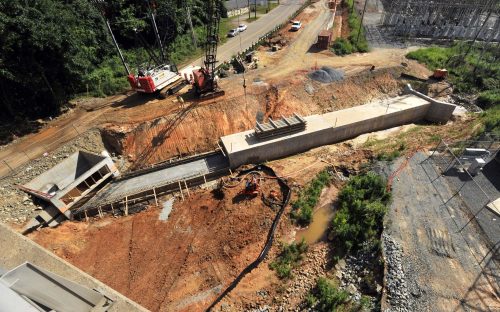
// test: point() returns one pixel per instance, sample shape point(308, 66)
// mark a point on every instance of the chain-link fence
point(472, 173)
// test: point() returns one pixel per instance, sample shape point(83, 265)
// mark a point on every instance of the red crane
point(205, 78)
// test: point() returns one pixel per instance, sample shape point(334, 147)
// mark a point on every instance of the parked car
point(296, 25)
point(233, 32)
point(242, 27)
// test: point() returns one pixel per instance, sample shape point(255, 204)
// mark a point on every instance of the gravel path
point(432, 263)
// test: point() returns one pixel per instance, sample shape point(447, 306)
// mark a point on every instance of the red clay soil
point(197, 127)
point(176, 265)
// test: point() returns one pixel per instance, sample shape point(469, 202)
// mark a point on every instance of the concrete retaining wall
point(244, 148)
point(439, 112)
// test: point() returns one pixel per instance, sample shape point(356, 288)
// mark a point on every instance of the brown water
point(318, 227)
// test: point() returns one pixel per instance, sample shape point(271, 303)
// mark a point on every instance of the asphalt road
point(255, 30)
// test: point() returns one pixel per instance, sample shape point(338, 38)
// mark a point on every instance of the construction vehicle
point(158, 75)
point(205, 79)
point(252, 187)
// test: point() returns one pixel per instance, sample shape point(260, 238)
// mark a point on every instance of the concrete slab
point(494, 206)
point(117, 191)
point(167, 209)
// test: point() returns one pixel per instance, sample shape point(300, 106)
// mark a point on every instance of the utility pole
point(480, 29)
point(361, 23)
point(249, 11)
point(255, 9)
point(190, 21)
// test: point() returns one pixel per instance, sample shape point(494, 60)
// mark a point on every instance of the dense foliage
point(356, 42)
point(52, 50)
point(303, 207)
point(362, 206)
point(478, 72)
point(289, 258)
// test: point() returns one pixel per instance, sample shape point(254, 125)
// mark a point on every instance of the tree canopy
point(52, 50)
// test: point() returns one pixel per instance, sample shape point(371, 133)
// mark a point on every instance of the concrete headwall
point(290, 145)
point(439, 112)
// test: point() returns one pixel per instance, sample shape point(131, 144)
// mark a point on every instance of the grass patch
point(288, 259)
point(490, 120)
point(252, 19)
point(391, 155)
point(478, 72)
point(264, 9)
point(362, 206)
point(303, 207)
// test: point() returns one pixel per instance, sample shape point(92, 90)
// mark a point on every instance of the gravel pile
point(397, 287)
point(326, 75)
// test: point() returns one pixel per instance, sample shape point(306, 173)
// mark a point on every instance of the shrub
point(303, 207)
point(342, 46)
point(326, 297)
point(289, 258)
point(489, 98)
point(362, 206)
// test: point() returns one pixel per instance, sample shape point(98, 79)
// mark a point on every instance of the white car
point(296, 25)
point(242, 27)
point(233, 32)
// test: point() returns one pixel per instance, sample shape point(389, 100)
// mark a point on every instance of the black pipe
point(286, 191)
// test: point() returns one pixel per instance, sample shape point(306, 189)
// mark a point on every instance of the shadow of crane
point(161, 136)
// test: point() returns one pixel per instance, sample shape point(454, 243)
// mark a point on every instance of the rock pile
point(327, 74)
point(356, 272)
point(396, 284)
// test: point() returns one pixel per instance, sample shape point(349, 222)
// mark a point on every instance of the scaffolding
point(444, 19)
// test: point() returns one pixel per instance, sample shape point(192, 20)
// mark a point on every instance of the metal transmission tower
point(443, 19)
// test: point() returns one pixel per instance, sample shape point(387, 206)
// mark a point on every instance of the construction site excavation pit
point(180, 264)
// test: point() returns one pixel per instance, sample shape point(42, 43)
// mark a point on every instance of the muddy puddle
point(317, 230)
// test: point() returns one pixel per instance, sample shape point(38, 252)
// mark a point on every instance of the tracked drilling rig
point(158, 75)
point(205, 79)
